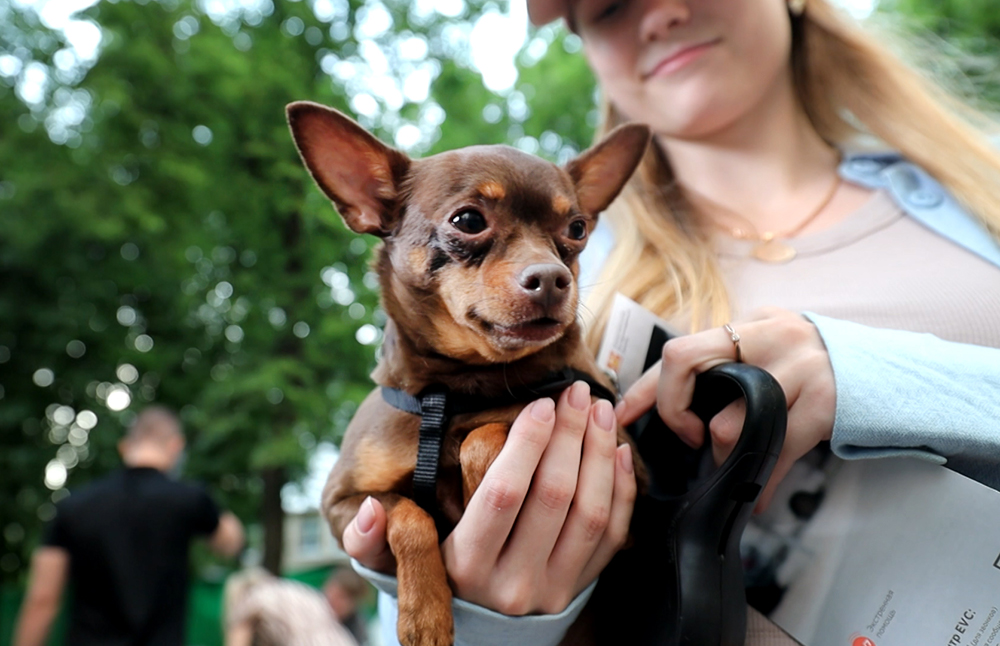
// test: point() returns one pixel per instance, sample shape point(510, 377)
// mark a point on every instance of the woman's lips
point(681, 58)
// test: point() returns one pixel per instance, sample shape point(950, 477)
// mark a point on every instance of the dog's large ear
point(601, 171)
point(355, 170)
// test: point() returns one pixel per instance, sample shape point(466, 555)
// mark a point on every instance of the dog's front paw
point(427, 620)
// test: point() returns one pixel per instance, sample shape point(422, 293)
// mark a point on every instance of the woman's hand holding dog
point(781, 342)
point(551, 512)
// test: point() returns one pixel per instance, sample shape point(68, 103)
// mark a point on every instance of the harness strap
point(433, 422)
point(436, 405)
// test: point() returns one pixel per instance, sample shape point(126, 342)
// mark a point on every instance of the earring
point(796, 7)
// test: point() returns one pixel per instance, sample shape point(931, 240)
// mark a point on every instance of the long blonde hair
point(850, 87)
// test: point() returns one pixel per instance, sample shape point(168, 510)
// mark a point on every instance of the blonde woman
point(867, 284)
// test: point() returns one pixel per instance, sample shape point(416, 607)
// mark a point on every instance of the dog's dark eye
point(577, 230)
point(469, 221)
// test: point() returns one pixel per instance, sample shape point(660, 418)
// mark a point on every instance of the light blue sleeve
point(909, 394)
point(478, 626)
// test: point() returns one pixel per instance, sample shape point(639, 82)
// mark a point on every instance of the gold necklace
point(770, 245)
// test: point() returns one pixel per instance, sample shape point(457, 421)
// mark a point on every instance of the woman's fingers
point(640, 397)
point(683, 359)
point(555, 483)
point(645, 393)
point(579, 505)
point(616, 534)
point(726, 428)
point(473, 547)
point(364, 537)
point(591, 512)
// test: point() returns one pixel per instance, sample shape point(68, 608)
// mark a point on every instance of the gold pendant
point(773, 251)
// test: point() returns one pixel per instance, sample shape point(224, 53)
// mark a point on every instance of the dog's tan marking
point(418, 258)
point(561, 204)
point(477, 453)
point(382, 465)
point(491, 190)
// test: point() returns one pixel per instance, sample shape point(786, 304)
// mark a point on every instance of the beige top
point(877, 267)
point(762, 632)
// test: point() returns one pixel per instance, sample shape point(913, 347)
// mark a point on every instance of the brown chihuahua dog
point(478, 272)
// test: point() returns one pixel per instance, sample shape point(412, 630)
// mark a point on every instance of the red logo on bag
point(862, 641)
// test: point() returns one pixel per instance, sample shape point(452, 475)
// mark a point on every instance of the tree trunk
point(274, 519)
point(276, 477)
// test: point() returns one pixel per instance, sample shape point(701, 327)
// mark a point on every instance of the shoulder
point(909, 184)
point(77, 510)
point(91, 493)
point(921, 197)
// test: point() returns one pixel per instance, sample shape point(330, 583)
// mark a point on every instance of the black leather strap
point(436, 405)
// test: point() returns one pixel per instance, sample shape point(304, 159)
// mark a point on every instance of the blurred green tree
point(968, 33)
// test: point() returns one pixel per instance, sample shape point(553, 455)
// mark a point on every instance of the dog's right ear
point(601, 171)
point(355, 170)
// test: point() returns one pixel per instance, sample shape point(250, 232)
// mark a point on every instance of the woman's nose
point(662, 16)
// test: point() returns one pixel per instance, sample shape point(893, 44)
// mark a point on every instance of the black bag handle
point(688, 528)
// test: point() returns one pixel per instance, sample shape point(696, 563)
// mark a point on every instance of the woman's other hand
point(784, 344)
point(550, 513)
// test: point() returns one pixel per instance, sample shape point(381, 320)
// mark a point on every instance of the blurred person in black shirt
point(122, 543)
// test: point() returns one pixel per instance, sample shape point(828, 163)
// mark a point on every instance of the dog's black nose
point(546, 284)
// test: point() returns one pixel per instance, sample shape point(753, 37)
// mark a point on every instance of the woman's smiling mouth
point(680, 57)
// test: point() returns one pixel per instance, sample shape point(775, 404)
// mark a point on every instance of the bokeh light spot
point(55, 475)
point(63, 415)
point(76, 348)
point(43, 377)
point(234, 333)
point(143, 343)
point(126, 315)
point(367, 334)
point(130, 251)
point(202, 134)
point(119, 398)
point(86, 419)
point(127, 373)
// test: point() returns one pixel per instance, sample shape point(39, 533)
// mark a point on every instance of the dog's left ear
point(359, 173)
point(600, 172)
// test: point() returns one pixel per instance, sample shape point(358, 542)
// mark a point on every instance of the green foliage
point(970, 39)
point(179, 217)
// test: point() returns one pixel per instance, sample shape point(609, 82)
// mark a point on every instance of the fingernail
point(543, 410)
point(365, 519)
point(604, 415)
point(620, 408)
point(627, 459)
point(579, 395)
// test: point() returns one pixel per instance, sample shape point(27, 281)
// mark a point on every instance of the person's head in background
point(797, 79)
point(154, 439)
point(239, 585)
point(345, 590)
